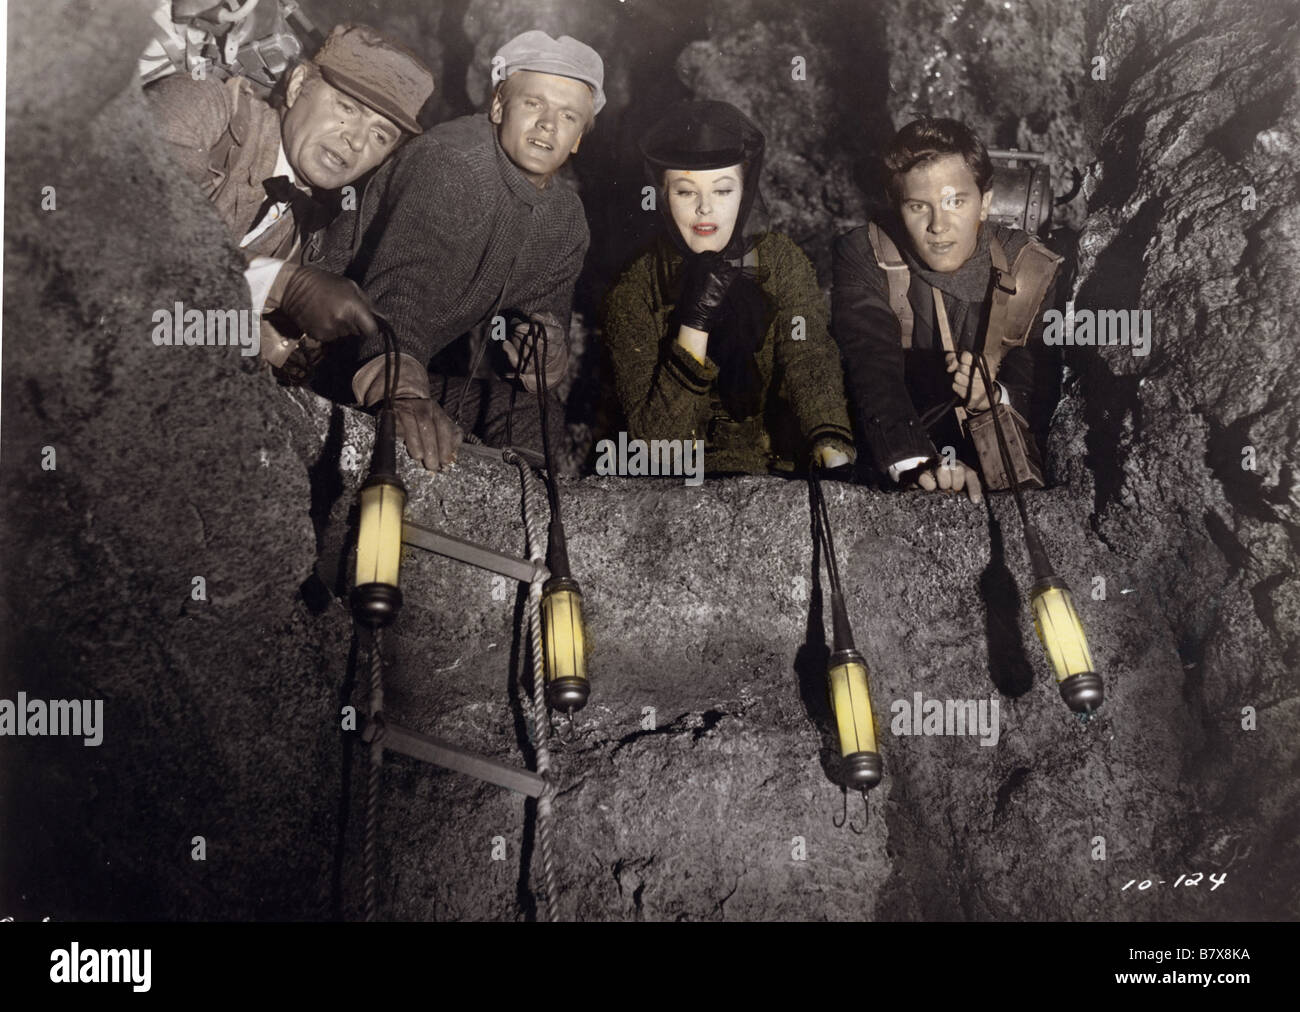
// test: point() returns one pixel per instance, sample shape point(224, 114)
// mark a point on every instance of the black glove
point(704, 287)
point(326, 306)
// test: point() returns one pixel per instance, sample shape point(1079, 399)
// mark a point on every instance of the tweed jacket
point(195, 118)
point(666, 393)
point(450, 233)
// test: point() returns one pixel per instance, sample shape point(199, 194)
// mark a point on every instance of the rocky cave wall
point(703, 605)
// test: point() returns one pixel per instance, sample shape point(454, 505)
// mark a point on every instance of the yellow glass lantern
point(565, 643)
point(851, 701)
point(1061, 633)
point(376, 596)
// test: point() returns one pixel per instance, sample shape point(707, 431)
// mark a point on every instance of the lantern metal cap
point(1049, 582)
point(1083, 692)
point(376, 604)
point(559, 583)
point(568, 695)
point(847, 655)
point(862, 770)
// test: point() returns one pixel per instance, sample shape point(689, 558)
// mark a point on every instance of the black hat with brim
point(699, 135)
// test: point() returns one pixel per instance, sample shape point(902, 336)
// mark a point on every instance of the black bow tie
point(309, 214)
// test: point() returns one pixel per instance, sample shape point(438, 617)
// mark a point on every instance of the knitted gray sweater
point(451, 233)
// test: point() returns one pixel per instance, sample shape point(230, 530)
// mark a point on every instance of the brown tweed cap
point(387, 77)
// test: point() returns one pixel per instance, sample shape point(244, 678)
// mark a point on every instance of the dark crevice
point(1009, 667)
point(1123, 142)
point(1226, 457)
point(1236, 136)
point(1254, 261)
point(333, 541)
point(677, 726)
point(1111, 401)
point(639, 866)
point(1262, 596)
point(1009, 787)
point(711, 719)
point(37, 398)
point(1191, 651)
point(1236, 554)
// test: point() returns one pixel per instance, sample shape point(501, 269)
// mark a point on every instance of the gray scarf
point(966, 288)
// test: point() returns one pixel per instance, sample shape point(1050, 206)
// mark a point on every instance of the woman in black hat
point(719, 333)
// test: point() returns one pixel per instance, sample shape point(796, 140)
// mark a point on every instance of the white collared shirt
point(261, 271)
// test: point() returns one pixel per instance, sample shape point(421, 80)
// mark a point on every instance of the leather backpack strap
point(899, 276)
point(1004, 288)
point(945, 337)
point(1035, 269)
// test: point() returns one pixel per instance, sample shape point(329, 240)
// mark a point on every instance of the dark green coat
point(665, 393)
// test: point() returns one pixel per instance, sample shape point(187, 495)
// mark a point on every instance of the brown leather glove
point(431, 437)
point(325, 306)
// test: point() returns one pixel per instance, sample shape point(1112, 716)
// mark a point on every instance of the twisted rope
point(375, 729)
point(541, 725)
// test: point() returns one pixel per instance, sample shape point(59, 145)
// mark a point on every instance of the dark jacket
point(207, 121)
point(450, 233)
point(666, 393)
point(903, 399)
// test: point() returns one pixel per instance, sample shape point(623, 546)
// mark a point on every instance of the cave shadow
point(811, 659)
point(1110, 399)
point(327, 581)
point(855, 36)
point(514, 682)
point(452, 97)
point(351, 741)
point(329, 577)
point(1009, 667)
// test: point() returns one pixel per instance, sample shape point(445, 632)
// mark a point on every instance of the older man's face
point(540, 120)
point(329, 137)
point(942, 208)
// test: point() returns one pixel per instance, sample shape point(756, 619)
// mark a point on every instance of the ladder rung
point(466, 551)
point(440, 753)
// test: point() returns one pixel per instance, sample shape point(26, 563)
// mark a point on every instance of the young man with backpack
point(275, 176)
point(918, 293)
